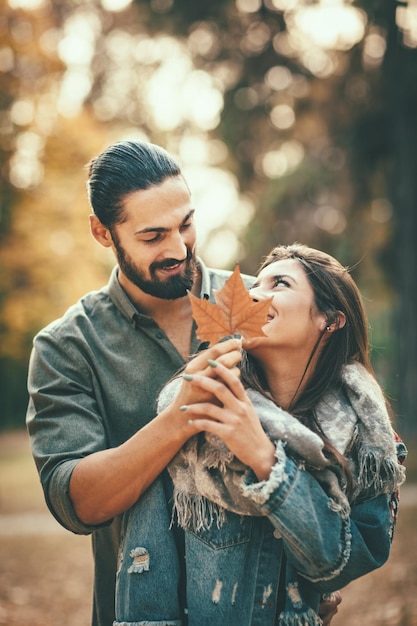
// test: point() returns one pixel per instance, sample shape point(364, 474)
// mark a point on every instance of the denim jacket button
point(277, 534)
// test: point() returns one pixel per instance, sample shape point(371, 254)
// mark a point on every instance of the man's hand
point(328, 606)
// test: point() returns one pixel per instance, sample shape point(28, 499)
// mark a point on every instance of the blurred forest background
point(294, 120)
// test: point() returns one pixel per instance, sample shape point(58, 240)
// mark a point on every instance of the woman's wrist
point(265, 462)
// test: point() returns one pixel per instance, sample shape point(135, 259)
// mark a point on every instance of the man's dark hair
point(123, 168)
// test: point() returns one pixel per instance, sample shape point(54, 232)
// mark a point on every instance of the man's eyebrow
point(188, 216)
point(163, 229)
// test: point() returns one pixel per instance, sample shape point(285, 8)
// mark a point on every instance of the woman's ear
point(336, 321)
point(100, 232)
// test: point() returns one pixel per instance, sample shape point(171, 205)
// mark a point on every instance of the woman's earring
point(328, 328)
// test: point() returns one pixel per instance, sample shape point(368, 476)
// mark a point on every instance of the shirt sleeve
point(324, 544)
point(63, 420)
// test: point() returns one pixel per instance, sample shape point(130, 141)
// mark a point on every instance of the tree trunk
point(401, 89)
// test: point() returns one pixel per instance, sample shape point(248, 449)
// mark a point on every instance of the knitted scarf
point(208, 478)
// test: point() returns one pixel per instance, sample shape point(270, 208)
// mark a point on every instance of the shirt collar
point(120, 297)
point(205, 279)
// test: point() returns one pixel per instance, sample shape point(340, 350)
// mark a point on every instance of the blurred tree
point(43, 207)
point(322, 136)
point(399, 91)
point(309, 105)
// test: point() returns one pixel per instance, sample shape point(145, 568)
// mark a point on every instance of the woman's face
point(293, 322)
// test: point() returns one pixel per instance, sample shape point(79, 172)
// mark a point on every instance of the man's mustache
point(167, 263)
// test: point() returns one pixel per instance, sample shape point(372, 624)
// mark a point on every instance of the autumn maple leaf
point(234, 313)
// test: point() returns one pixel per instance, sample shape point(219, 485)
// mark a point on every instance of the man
point(95, 374)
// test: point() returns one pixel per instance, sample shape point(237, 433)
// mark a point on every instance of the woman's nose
point(256, 293)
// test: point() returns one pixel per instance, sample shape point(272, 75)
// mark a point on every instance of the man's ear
point(100, 232)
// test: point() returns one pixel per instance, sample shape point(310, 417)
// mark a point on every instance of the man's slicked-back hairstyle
point(123, 168)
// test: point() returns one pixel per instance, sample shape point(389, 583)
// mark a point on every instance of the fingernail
point(188, 377)
point(184, 407)
point(212, 363)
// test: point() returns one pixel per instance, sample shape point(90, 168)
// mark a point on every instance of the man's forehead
point(161, 206)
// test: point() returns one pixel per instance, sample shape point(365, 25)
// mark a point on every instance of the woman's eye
point(279, 280)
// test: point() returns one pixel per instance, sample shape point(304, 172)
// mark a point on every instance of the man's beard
point(170, 288)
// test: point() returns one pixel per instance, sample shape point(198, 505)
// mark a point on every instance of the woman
point(285, 493)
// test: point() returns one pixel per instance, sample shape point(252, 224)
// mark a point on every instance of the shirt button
point(159, 335)
point(277, 534)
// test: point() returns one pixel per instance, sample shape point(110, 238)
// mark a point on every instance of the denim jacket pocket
point(236, 530)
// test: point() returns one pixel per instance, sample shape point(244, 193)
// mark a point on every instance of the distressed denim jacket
point(252, 571)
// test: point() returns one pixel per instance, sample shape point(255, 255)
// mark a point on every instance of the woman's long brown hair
point(334, 291)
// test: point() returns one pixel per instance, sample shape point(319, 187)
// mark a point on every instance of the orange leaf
point(235, 312)
point(211, 323)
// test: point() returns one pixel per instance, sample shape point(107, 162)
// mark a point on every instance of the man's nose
point(177, 248)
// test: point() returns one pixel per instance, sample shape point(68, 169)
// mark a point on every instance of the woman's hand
point(231, 416)
point(228, 353)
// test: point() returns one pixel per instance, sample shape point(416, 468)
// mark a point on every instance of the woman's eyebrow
point(274, 277)
point(277, 276)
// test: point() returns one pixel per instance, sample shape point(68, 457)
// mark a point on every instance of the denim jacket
point(264, 571)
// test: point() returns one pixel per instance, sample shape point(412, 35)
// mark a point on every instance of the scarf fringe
point(381, 475)
point(216, 454)
point(196, 513)
point(170, 622)
point(307, 618)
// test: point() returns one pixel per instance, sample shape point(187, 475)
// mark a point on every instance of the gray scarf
point(209, 480)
